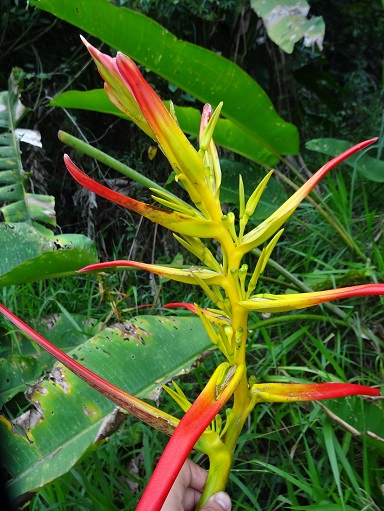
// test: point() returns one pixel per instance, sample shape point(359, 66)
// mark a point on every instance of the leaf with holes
point(286, 23)
point(68, 418)
point(22, 364)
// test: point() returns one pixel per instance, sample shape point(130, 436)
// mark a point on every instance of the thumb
point(218, 502)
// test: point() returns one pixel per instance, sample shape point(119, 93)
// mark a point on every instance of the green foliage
point(361, 420)
point(29, 251)
point(26, 255)
point(36, 448)
point(17, 204)
point(204, 74)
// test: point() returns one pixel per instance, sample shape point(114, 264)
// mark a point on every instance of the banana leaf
point(68, 419)
point(16, 204)
point(205, 75)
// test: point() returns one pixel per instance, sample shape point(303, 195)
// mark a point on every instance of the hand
point(187, 489)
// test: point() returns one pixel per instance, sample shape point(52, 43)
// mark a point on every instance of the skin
point(187, 489)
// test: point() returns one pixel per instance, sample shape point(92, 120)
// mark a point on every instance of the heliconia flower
point(173, 220)
point(288, 392)
point(131, 93)
point(294, 301)
point(268, 227)
point(186, 275)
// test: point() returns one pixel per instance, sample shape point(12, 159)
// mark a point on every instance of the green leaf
point(330, 444)
point(69, 418)
point(300, 483)
point(370, 168)
point(286, 23)
point(21, 365)
point(26, 255)
point(227, 134)
point(325, 506)
point(18, 205)
point(202, 73)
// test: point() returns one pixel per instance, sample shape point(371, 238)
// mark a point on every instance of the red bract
point(288, 392)
point(173, 220)
point(289, 302)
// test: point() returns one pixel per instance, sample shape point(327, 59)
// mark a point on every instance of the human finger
point(218, 502)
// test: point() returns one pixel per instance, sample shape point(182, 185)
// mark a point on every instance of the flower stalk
point(226, 279)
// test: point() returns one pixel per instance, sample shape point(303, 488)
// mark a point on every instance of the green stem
point(239, 412)
point(220, 461)
point(100, 156)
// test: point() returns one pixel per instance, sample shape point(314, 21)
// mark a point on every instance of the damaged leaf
point(286, 23)
point(22, 364)
point(69, 418)
point(27, 254)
